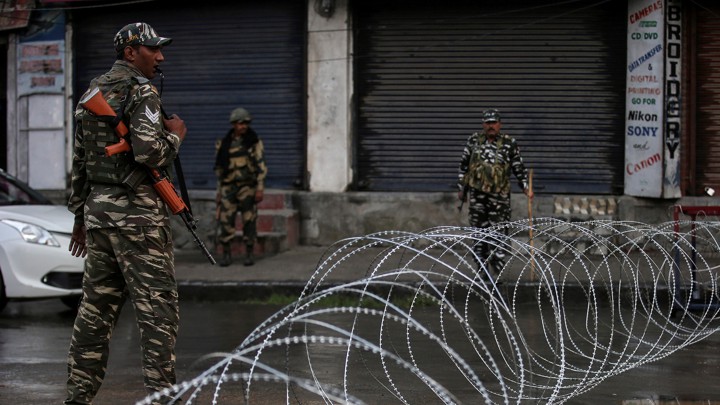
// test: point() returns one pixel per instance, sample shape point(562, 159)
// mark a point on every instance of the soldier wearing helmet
point(484, 175)
point(124, 227)
point(241, 170)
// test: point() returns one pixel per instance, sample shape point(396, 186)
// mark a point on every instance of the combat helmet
point(240, 114)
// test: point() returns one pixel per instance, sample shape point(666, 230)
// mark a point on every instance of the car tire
point(72, 301)
point(3, 296)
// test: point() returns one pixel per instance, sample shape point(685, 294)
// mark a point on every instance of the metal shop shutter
point(707, 43)
point(224, 55)
point(425, 70)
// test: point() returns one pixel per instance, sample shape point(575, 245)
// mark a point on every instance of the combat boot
point(249, 258)
point(226, 259)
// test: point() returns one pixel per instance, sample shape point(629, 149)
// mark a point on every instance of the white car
point(34, 237)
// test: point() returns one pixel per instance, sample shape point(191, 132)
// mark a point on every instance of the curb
point(516, 293)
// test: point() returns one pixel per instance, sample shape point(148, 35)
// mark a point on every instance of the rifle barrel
point(190, 224)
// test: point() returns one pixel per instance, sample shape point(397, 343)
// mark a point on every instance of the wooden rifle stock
point(177, 206)
point(167, 192)
point(96, 104)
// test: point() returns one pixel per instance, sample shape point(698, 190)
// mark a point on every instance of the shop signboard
point(644, 128)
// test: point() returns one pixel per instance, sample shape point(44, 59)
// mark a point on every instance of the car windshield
point(15, 192)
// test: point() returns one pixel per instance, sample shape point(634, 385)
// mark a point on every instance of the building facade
point(364, 106)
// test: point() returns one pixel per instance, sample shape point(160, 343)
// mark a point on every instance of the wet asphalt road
point(34, 337)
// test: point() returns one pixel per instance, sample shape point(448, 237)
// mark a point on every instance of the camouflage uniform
point(241, 170)
point(485, 168)
point(130, 250)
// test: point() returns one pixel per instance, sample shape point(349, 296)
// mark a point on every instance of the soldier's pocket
point(165, 305)
point(158, 238)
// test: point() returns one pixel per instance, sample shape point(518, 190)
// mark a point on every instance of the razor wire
point(575, 304)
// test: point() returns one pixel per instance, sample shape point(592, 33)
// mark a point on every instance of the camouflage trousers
point(236, 199)
point(486, 210)
point(121, 262)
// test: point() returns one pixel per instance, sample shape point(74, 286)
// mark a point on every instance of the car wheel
point(72, 301)
point(3, 296)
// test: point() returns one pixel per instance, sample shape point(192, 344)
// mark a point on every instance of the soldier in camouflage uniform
point(121, 223)
point(241, 170)
point(484, 175)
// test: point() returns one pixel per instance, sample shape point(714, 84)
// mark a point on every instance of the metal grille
point(224, 55)
point(425, 71)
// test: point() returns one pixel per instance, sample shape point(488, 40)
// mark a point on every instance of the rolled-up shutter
point(224, 55)
point(426, 70)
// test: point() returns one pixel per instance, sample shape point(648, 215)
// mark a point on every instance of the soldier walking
point(241, 170)
point(484, 177)
point(121, 223)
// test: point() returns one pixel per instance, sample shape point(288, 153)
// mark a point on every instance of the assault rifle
point(464, 196)
point(96, 103)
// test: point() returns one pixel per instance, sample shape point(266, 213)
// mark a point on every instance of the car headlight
point(33, 233)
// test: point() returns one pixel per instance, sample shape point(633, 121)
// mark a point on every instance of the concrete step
point(278, 226)
point(274, 220)
point(275, 199)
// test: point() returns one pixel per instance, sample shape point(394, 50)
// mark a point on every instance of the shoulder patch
point(145, 84)
point(146, 88)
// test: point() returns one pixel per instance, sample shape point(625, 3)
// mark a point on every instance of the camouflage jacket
point(106, 205)
point(240, 164)
point(486, 166)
